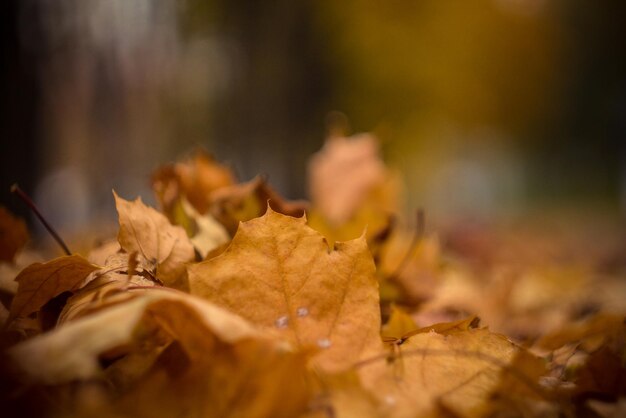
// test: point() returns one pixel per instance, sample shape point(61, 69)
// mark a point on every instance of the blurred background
point(490, 108)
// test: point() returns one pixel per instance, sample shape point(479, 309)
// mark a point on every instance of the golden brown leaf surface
point(40, 282)
point(281, 274)
point(457, 369)
point(252, 379)
point(148, 232)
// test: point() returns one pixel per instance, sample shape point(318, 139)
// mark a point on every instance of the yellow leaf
point(40, 282)
point(399, 324)
point(281, 274)
point(148, 232)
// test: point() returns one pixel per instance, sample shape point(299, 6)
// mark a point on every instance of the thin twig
point(15, 189)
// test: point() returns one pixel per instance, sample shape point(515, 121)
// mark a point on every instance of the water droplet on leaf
point(324, 343)
point(282, 322)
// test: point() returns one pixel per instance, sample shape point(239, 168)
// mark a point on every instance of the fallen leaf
point(13, 234)
point(76, 346)
point(148, 232)
point(252, 378)
point(194, 179)
point(209, 234)
point(39, 283)
point(457, 372)
point(343, 173)
point(281, 274)
point(341, 395)
point(400, 323)
point(8, 271)
point(245, 201)
point(415, 268)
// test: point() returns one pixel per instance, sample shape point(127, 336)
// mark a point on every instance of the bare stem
point(15, 189)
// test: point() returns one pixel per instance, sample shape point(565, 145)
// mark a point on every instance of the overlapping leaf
point(40, 282)
point(150, 234)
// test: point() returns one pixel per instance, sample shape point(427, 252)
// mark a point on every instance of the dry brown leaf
point(457, 372)
point(208, 234)
point(367, 220)
point(589, 334)
point(13, 234)
point(40, 282)
point(251, 379)
point(148, 232)
point(8, 271)
point(245, 201)
point(280, 274)
point(105, 290)
point(417, 270)
point(400, 323)
point(342, 175)
point(341, 395)
point(72, 351)
point(193, 179)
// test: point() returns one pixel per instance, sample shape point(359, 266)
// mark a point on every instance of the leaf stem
point(15, 189)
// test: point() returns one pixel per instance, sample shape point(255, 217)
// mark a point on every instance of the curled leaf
point(72, 351)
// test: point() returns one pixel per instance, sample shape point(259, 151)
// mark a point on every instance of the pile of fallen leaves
point(231, 301)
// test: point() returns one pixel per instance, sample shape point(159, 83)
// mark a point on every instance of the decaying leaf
point(280, 274)
point(40, 282)
point(13, 234)
point(148, 232)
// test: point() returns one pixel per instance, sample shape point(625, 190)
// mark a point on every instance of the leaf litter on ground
point(232, 301)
